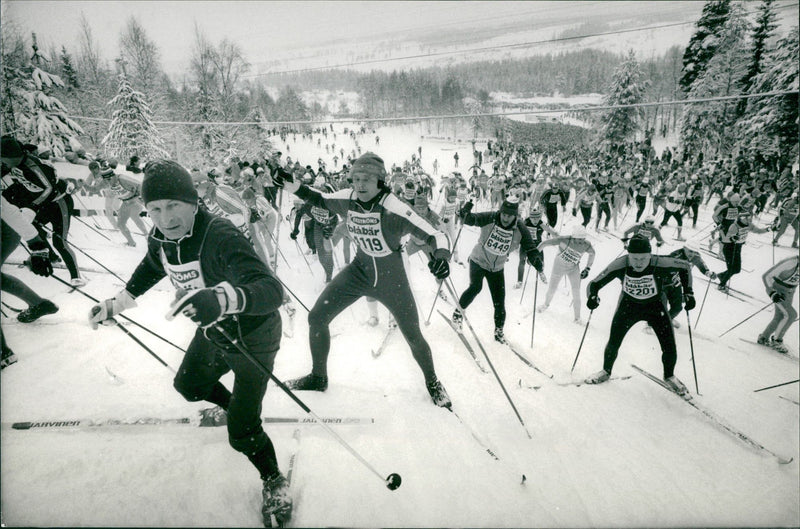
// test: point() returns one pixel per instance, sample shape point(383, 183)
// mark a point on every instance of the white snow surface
point(625, 454)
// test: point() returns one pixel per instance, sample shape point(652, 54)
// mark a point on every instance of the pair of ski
point(178, 421)
point(787, 354)
point(714, 419)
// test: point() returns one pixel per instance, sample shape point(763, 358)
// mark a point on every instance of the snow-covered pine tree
point(628, 86)
point(68, 70)
point(31, 112)
point(704, 42)
point(132, 130)
point(762, 32)
point(708, 127)
point(769, 128)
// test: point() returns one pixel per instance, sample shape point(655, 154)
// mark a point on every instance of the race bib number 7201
point(640, 287)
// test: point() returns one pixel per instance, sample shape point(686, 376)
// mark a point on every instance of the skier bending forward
point(377, 220)
point(644, 278)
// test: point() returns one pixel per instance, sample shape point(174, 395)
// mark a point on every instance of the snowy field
point(623, 454)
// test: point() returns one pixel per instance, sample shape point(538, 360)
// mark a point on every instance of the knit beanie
point(369, 164)
point(510, 205)
point(639, 245)
point(167, 180)
point(10, 148)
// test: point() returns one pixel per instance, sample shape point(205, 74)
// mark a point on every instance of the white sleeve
point(19, 220)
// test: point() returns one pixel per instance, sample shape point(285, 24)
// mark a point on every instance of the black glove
point(585, 272)
point(281, 177)
point(658, 244)
point(293, 235)
point(593, 302)
point(327, 231)
point(439, 267)
point(208, 305)
point(466, 208)
point(776, 296)
point(254, 216)
point(574, 212)
point(40, 257)
point(689, 302)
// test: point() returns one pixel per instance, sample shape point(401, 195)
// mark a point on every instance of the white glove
point(106, 310)
point(207, 306)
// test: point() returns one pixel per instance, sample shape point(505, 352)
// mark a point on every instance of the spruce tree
point(31, 112)
point(763, 31)
point(704, 42)
point(68, 70)
point(132, 130)
point(628, 86)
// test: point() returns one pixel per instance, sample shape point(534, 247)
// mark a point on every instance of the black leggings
point(57, 215)
point(586, 211)
point(628, 313)
point(551, 211)
point(733, 258)
point(603, 207)
point(497, 288)
point(641, 202)
point(677, 214)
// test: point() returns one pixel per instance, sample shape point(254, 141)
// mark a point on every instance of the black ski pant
point(497, 288)
point(733, 258)
point(653, 312)
point(677, 214)
point(694, 206)
point(675, 300)
point(538, 263)
point(641, 203)
point(586, 211)
point(602, 207)
point(551, 211)
point(381, 278)
point(206, 362)
point(56, 214)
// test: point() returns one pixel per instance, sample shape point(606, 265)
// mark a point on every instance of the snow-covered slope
point(626, 453)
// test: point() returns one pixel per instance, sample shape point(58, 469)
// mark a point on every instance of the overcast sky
point(265, 29)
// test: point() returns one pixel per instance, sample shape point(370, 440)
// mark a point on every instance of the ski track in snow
point(625, 453)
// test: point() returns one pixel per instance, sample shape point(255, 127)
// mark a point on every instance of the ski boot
point(215, 416)
point(676, 385)
point(372, 321)
point(777, 344)
point(763, 340)
point(77, 282)
point(518, 285)
point(8, 358)
point(34, 312)
point(598, 378)
point(438, 394)
point(498, 335)
point(457, 318)
point(310, 382)
point(276, 506)
point(542, 307)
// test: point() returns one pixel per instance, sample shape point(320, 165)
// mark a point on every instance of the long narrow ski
point(716, 420)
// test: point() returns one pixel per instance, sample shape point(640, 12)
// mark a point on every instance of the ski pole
point(525, 284)
point(777, 385)
point(300, 251)
point(120, 315)
point(588, 321)
point(485, 355)
point(120, 327)
point(744, 320)
point(703, 304)
point(392, 481)
point(535, 293)
point(438, 290)
point(101, 265)
point(691, 347)
point(93, 229)
point(278, 232)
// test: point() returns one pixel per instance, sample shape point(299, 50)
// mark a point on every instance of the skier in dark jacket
point(221, 284)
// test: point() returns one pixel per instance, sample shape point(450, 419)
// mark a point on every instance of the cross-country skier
point(644, 277)
point(674, 292)
point(501, 232)
point(220, 281)
point(536, 228)
point(377, 220)
point(31, 183)
point(733, 239)
point(781, 283)
point(567, 262)
point(324, 223)
point(646, 229)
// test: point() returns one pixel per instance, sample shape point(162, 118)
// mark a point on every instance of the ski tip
point(22, 425)
point(524, 479)
point(785, 461)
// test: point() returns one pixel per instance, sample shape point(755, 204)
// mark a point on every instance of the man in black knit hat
point(220, 282)
point(644, 279)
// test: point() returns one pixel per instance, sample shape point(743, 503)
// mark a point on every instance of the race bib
point(553, 199)
point(186, 276)
point(321, 215)
point(570, 255)
point(795, 278)
point(449, 210)
point(365, 229)
point(640, 287)
point(644, 233)
point(731, 214)
point(499, 241)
